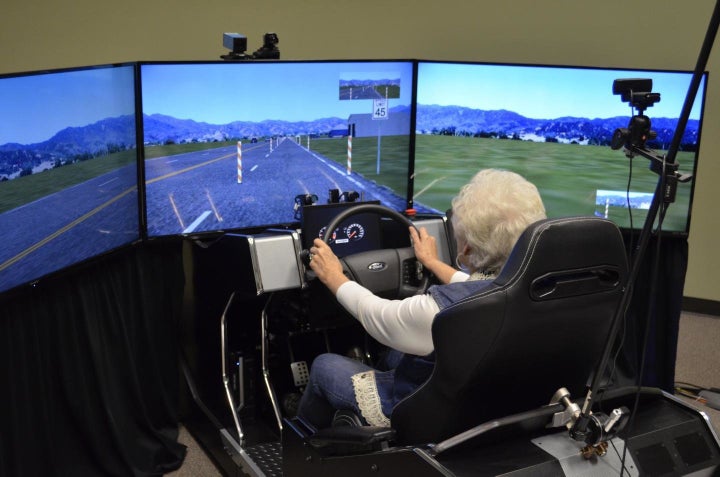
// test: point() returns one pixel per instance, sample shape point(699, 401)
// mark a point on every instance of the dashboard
point(270, 261)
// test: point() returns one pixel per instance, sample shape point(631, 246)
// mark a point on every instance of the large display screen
point(68, 169)
point(229, 145)
point(235, 145)
point(554, 126)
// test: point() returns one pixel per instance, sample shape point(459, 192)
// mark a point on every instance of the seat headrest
point(562, 244)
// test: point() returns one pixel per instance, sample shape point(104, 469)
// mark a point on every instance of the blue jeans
point(330, 389)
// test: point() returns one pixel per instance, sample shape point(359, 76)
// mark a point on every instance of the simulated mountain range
point(110, 135)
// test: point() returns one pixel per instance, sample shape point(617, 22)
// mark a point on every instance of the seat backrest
point(539, 326)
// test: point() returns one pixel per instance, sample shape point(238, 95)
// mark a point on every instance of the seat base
point(668, 437)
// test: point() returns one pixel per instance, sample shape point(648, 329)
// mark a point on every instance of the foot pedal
point(300, 373)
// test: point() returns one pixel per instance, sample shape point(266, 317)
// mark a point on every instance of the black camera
point(269, 50)
point(637, 93)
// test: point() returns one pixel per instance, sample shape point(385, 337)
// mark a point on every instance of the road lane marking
point(196, 166)
point(196, 222)
point(111, 180)
point(64, 229)
point(175, 173)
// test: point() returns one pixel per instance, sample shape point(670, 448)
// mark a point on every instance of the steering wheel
point(390, 273)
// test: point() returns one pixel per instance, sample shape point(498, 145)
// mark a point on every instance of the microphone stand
point(585, 426)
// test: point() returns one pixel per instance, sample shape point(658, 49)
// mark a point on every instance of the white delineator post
point(607, 207)
point(239, 161)
point(349, 163)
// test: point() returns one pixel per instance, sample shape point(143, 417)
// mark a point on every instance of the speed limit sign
point(380, 109)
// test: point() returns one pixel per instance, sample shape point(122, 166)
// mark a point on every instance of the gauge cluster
point(353, 232)
point(359, 233)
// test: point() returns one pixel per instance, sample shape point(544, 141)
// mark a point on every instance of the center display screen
point(228, 145)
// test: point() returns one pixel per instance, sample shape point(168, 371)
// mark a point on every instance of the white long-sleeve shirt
point(404, 325)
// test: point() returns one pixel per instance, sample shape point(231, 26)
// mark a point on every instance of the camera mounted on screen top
point(637, 93)
point(237, 44)
point(633, 138)
point(269, 50)
point(335, 196)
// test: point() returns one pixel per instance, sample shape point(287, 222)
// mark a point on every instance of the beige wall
point(37, 34)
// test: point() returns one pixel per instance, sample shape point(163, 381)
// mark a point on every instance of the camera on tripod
point(637, 93)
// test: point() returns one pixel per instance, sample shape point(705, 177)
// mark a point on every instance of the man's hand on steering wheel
point(326, 265)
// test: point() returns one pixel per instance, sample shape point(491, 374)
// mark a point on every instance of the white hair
point(490, 213)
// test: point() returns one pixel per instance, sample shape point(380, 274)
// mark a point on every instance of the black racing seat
point(539, 326)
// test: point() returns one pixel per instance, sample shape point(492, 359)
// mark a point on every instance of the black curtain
point(89, 374)
point(653, 319)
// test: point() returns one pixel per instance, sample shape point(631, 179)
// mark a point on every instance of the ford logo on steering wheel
point(377, 266)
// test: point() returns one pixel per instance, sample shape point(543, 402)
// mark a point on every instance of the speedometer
point(354, 232)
